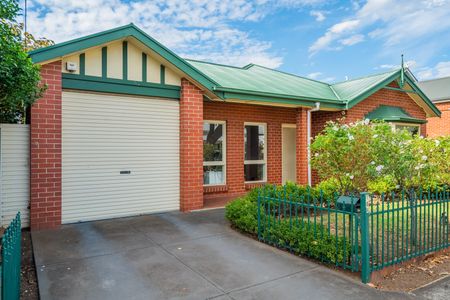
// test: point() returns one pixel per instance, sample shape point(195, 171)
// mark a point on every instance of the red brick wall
point(235, 115)
point(302, 152)
point(440, 126)
point(381, 97)
point(191, 146)
point(45, 156)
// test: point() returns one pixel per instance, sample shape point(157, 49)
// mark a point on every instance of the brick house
point(438, 90)
point(127, 127)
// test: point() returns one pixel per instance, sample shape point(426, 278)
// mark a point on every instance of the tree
point(19, 77)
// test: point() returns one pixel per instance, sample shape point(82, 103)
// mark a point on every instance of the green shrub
point(243, 214)
point(329, 188)
point(302, 239)
point(370, 156)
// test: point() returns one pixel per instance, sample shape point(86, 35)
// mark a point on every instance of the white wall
point(14, 173)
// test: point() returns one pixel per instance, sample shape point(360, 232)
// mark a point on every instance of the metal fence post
point(365, 258)
point(259, 213)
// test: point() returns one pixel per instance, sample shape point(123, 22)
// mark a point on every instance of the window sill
point(215, 188)
point(252, 185)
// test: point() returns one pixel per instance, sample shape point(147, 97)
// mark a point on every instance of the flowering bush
point(371, 156)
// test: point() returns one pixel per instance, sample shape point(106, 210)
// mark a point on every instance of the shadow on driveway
point(179, 256)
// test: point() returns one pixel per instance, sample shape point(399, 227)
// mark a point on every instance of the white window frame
point(395, 124)
point(257, 162)
point(222, 163)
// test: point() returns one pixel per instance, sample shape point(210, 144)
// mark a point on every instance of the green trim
point(163, 74)
point(384, 83)
point(144, 67)
point(423, 96)
point(76, 45)
point(278, 100)
point(125, 60)
point(392, 114)
point(399, 90)
point(118, 86)
point(57, 51)
point(105, 62)
point(371, 90)
point(406, 120)
point(82, 64)
point(244, 95)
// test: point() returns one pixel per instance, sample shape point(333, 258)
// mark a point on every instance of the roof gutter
point(275, 95)
point(308, 125)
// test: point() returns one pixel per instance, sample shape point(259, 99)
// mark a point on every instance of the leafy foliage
point(19, 77)
point(370, 156)
point(301, 239)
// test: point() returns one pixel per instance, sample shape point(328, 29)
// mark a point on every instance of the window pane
point(213, 175)
point(212, 142)
point(411, 129)
point(254, 142)
point(254, 172)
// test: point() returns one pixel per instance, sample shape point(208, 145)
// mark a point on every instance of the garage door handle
point(125, 172)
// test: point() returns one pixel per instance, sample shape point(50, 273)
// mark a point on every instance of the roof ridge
point(371, 86)
point(367, 76)
point(212, 63)
point(286, 73)
point(334, 92)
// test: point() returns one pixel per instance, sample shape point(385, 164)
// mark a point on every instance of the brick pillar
point(191, 146)
point(302, 147)
point(45, 152)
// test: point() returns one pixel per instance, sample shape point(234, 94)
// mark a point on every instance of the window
point(214, 152)
point(411, 128)
point(255, 152)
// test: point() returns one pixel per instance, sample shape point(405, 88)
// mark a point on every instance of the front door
point(289, 152)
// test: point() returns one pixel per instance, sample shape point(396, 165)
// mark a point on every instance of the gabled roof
point(392, 114)
point(351, 91)
point(438, 90)
point(130, 30)
point(249, 83)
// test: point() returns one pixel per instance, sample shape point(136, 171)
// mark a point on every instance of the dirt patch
point(29, 287)
point(415, 274)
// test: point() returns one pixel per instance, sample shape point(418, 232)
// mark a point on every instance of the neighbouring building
point(438, 90)
point(127, 127)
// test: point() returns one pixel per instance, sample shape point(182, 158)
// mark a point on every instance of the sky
point(324, 40)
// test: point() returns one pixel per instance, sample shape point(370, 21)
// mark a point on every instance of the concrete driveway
point(179, 256)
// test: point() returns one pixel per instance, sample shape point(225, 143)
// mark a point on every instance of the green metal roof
point(392, 114)
point(261, 79)
point(437, 90)
point(351, 89)
point(249, 83)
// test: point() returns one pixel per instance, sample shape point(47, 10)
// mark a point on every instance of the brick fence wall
point(440, 126)
point(45, 156)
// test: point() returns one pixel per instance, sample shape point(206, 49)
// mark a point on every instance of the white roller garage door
point(120, 156)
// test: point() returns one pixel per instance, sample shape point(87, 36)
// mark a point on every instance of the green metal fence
point(310, 226)
point(384, 230)
point(11, 256)
point(407, 225)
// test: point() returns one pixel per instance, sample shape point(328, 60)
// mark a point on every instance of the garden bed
point(29, 287)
